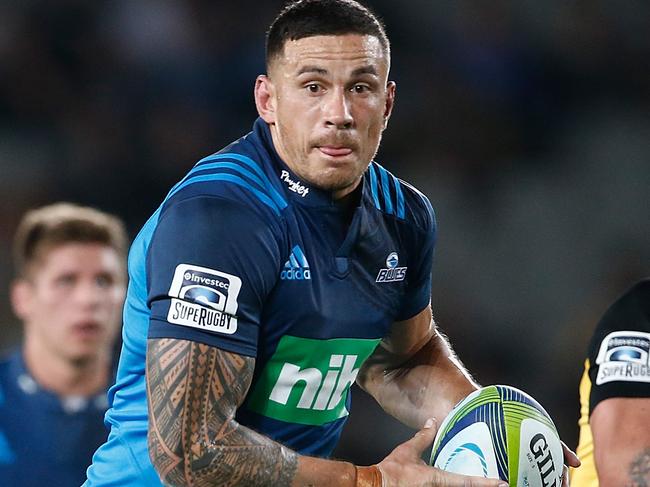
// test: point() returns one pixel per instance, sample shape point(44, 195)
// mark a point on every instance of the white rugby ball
point(500, 432)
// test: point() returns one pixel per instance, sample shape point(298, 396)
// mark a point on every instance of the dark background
point(525, 122)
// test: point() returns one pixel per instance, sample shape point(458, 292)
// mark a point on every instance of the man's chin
point(85, 351)
point(337, 178)
point(83, 357)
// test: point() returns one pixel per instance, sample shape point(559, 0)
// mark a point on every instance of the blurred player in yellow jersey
point(615, 397)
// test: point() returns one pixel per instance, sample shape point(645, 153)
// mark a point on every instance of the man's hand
point(570, 460)
point(404, 466)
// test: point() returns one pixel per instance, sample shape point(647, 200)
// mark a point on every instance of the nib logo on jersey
point(392, 273)
point(307, 380)
point(624, 356)
point(297, 267)
point(204, 298)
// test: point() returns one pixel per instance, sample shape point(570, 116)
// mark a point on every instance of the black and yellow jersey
point(617, 365)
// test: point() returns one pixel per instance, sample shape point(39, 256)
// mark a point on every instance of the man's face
point(72, 300)
point(327, 101)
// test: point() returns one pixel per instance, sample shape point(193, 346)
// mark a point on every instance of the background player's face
point(71, 301)
point(327, 100)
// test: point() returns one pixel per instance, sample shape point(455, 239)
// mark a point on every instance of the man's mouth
point(87, 329)
point(335, 151)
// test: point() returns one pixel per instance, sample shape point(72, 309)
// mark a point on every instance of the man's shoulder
point(631, 311)
point(240, 173)
point(619, 348)
point(234, 184)
point(396, 197)
point(639, 294)
point(625, 324)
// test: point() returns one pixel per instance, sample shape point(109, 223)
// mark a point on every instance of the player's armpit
point(193, 393)
point(621, 435)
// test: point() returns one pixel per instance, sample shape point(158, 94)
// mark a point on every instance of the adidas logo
point(297, 267)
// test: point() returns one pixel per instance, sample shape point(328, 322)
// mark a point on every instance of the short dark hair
point(308, 18)
point(47, 227)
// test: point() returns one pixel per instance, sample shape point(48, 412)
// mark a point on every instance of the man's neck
point(348, 204)
point(67, 377)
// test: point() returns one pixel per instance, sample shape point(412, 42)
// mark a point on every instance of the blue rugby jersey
point(245, 256)
point(45, 439)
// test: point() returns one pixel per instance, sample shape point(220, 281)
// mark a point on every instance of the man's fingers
point(424, 437)
point(570, 458)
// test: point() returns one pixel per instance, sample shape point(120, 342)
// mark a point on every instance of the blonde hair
point(49, 226)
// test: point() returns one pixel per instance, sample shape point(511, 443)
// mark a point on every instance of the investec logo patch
point(294, 186)
point(624, 356)
point(392, 273)
point(307, 381)
point(204, 298)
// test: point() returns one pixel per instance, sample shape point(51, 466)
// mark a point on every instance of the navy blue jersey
point(45, 439)
point(245, 256)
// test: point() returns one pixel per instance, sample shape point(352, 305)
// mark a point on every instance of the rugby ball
point(500, 432)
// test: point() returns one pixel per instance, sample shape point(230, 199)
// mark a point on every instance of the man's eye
point(313, 88)
point(360, 88)
point(103, 281)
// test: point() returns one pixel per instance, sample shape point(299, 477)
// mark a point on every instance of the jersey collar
point(297, 189)
point(28, 386)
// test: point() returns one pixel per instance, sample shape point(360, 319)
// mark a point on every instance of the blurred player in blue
point(276, 273)
point(615, 396)
point(71, 276)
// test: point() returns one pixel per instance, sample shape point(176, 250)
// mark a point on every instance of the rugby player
point(615, 396)
point(276, 273)
point(69, 290)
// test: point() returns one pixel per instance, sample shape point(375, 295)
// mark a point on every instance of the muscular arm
point(621, 434)
point(194, 391)
point(414, 374)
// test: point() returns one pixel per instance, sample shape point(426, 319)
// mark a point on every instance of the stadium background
point(525, 122)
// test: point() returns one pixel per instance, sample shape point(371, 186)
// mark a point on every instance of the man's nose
point(89, 293)
point(337, 110)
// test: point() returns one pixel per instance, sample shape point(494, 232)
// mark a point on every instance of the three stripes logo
point(297, 267)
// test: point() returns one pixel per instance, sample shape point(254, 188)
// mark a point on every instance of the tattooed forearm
point(640, 470)
point(194, 391)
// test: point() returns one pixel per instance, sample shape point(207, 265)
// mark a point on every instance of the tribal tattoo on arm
point(194, 391)
point(639, 470)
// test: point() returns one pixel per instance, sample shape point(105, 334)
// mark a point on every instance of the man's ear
point(265, 99)
point(391, 87)
point(20, 295)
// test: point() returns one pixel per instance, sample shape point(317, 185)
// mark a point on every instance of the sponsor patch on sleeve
point(624, 356)
point(204, 298)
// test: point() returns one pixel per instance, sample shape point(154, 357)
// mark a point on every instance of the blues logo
point(624, 356)
point(392, 273)
point(204, 298)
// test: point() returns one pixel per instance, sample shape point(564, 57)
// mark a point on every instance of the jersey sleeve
point(619, 352)
point(418, 292)
point(210, 265)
